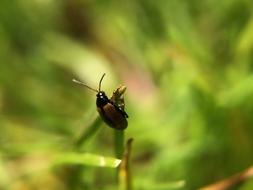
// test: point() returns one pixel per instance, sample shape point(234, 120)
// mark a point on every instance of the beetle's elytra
point(112, 114)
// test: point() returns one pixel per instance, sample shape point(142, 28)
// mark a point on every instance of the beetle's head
point(102, 99)
point(101, 94)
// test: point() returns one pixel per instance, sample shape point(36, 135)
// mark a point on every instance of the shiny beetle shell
point(112, 115)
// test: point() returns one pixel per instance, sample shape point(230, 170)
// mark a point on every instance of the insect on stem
point(110, 110)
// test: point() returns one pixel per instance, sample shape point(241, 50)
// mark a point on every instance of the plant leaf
point(86, 159)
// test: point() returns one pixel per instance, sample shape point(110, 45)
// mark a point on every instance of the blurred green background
point(188, 68)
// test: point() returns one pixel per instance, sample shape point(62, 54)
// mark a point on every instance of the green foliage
point(188, 69)
point(86, 159)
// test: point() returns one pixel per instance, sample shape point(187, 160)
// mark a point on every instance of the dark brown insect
point(112, 113)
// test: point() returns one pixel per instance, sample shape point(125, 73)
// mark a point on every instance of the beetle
point(112, 113)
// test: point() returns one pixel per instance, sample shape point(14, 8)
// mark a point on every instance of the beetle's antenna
point(99, 86)
point(79, 82)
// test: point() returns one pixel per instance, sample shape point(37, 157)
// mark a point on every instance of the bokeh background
point(188, 68)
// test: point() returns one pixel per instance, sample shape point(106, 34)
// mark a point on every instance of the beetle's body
point(112, 115)
point(110, 110)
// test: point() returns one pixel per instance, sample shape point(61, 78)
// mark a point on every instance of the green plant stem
point(88, 132)
point(119, 136)
point(118, 149)
point(74, 172)
point(124, 174)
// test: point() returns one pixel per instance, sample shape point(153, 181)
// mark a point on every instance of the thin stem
point(124, 174)
point(119, 143)
point(119, 150)
point(74, 172)
point(88, 133)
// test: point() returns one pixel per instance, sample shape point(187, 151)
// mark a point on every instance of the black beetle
point(113, 115)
